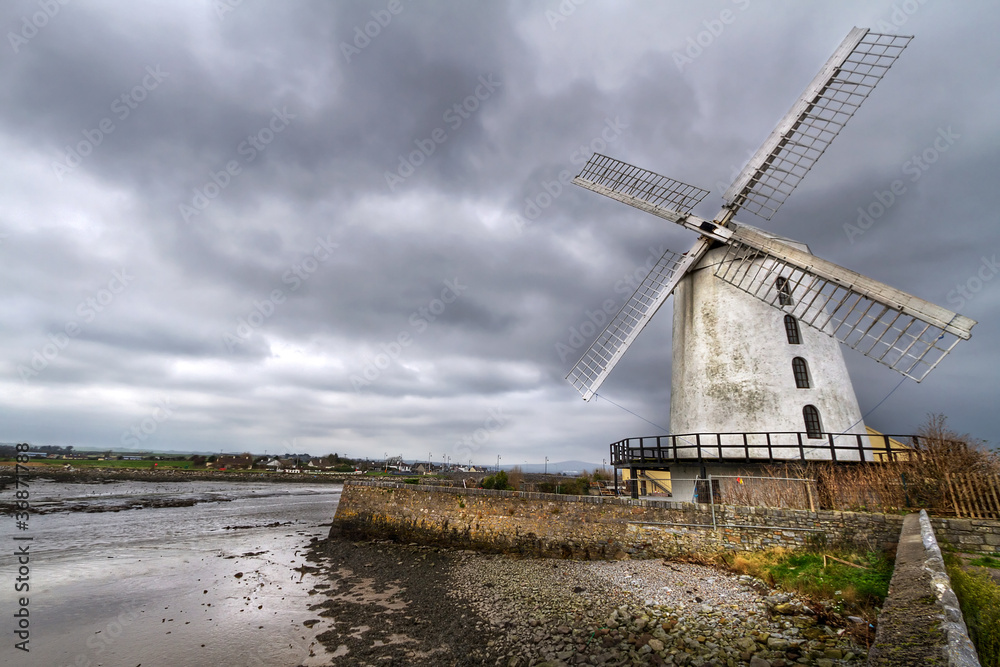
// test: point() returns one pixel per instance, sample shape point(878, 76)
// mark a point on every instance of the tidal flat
point(194, 573)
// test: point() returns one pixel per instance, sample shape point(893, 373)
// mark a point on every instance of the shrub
point(578, 486)
point(516, 478)
point(498, 481)
point(979, 597)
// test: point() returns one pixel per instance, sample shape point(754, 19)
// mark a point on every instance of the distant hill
point(555, 467)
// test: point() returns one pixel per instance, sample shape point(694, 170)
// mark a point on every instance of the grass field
point(95, 463)
point(863, 587)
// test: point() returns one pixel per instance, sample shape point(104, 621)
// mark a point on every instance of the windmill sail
point(597, 362)
point(814, 121)
point(897, 329)
point(641, 188)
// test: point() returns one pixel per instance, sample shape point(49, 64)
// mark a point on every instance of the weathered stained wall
point(732, 364)
point(590, 526)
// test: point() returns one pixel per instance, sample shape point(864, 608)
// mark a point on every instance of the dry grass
point(516, 478)
point(914, 483)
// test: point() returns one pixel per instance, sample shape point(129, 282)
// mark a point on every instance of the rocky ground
point(399, 605)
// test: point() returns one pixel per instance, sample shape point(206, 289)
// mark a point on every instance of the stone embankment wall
point(921, 622)
point(591, 526)
point(982, 535)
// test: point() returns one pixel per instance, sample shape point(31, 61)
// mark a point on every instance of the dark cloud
point(369, 246)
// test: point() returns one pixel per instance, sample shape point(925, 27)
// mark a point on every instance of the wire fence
point(874, 487)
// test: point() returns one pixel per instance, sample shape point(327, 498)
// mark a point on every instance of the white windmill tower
point(743, 364)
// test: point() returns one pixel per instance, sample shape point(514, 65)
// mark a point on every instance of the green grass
point(135, 465)
point(979, 596)
point(985, 561)
point(804, 573)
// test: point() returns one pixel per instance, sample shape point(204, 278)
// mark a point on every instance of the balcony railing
point(663, 450)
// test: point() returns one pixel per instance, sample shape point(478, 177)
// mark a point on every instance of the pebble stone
point(643, 612)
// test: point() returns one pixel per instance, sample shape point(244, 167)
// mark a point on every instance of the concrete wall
point(732, 364)
point(591, 526)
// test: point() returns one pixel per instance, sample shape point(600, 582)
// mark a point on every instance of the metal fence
point(780, 446)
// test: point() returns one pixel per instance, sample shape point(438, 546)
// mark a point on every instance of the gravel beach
point(392, 604)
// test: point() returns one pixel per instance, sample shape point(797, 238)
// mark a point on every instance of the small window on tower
point(784, 291)
point(814, 429)
point(792, 330)
point(801, 372)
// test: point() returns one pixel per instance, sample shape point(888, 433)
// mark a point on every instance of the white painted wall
point(732, 367)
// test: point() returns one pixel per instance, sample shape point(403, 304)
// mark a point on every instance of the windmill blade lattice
point(896, 329)
point(602, 356)
point(814, 121)
point(638, 187)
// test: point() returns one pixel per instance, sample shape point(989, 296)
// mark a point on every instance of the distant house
point(282, 465)
point(232, 462)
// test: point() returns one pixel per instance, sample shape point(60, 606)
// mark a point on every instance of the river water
point(214, 583)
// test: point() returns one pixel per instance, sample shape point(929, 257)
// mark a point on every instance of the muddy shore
point(395, 604)
point(98, 475)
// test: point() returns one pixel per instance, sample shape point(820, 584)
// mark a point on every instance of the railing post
point(833, 447)
point(802, 450)
point(746, 448)
point(888, 449)
point(711, 499)
point(718, 444)
point(697, 444)
point(861, 447)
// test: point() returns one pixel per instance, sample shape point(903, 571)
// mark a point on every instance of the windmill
point(741, 360)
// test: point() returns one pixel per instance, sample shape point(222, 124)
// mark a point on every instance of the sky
point(347, 227)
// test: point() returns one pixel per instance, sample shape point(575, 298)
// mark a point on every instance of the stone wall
point(921, 621)
point(592, 526)
point(982, 535)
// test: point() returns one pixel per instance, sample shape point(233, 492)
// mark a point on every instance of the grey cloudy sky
point(253, 226)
